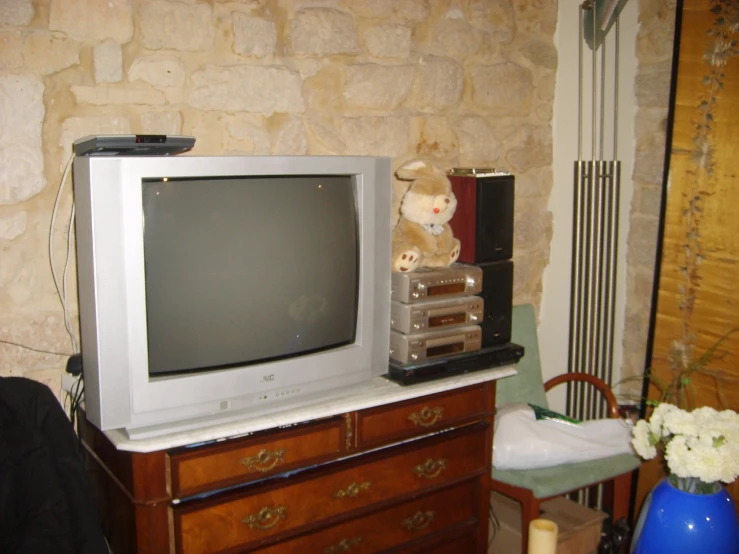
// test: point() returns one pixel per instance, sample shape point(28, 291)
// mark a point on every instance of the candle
point(542, 537)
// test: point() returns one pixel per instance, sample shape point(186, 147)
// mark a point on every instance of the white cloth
point(523, 442)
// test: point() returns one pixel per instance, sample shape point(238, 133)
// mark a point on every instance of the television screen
point(241, 270)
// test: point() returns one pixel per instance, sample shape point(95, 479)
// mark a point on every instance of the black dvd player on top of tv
point(486, 358)
point(132, 145)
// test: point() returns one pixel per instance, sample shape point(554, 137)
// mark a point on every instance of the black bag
point(45, 498)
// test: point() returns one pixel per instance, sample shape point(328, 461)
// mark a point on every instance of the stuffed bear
point(422, 236)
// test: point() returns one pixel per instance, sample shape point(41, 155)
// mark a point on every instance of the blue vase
point(677, 522)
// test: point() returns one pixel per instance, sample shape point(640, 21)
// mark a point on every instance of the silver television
point(213, 288)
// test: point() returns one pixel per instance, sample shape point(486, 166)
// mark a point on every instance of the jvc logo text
point(267, 378)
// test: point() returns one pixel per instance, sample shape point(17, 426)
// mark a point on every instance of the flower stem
point(694, 485)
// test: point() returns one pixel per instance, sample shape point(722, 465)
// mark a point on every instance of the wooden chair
point(531, 487)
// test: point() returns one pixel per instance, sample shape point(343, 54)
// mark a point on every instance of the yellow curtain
point(698, 287)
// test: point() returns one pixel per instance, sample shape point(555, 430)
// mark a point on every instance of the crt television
point(215, 287)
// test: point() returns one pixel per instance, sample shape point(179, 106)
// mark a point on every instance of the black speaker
point(483, 220)
point(497, 293)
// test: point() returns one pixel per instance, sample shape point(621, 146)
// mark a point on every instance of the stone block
point(161, 123)
point(504, 88)
point(16, 12)
point(176, 26)
point(158, 71)
point(388, 41)
point(375, 136)
point(436, 140)
point(256, 89)
point(642, 241)
point(89, 20)
point(530, 147)
point(11, 49)
point(372, 8)
point(649, 164)
point(440, 83)
point(378, 87)
point(21, 157)
point(535, 231)
point(104, 95)
point(248, 134)
point(327, 138)
point(322, 31)
point(457, 39)
point(412, 10)
point(254, 36)
point(41, 331)
point(652, 85)
point(540, 53)
point(478, 145)
point(47, 53)
point(290, 138)
point(534, 183)
point(210, 129)
point(654, 42)
point(497, 18)
point(107, 61)
point(13, 225)
point(650, 200)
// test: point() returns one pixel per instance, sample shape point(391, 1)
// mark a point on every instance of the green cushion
point(527, 386)
point(558, 480)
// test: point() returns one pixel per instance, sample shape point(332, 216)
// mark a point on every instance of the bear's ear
point(410, 171)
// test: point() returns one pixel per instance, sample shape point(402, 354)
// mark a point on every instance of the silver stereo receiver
point(427, 283)
point(430, 315)
point(420, 347)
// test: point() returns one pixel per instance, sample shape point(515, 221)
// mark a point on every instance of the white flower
point(677, 454)
point(657, 418)
point(641, 441)
point(730, 462)
point(680, 422)
point(702, 444)
point(705, 463)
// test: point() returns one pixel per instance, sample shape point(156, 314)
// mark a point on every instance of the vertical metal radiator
point(594, 231)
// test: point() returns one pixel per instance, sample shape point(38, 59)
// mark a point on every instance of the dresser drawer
point(458, 541)
point(391, 527)
point(230, 524)
point(210, 467)
point(419, 416)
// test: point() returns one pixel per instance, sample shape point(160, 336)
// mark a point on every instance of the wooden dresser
point(406, 476)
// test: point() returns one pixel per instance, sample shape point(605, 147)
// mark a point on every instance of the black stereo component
point(132, 145)
point(483, 220)
point(497, 295)
point(487, 358)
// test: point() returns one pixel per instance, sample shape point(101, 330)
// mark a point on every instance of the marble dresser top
point(369, 395)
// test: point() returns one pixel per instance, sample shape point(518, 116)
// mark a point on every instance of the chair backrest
point(528, 385)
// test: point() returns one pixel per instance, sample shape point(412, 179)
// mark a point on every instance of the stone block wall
point(460, 82)
point(654, 50)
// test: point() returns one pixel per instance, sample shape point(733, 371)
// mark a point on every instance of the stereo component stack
point(435, 313)
point(436, 330)
point(483, 222)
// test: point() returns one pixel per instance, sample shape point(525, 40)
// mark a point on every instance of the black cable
point(39, 350)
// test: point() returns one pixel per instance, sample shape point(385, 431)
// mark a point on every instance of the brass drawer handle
point(430, 468)
point(266, 518)
point(264, 460)
point(344, 545)
point(352, 490)
point(427, 417)
point(419, 520)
